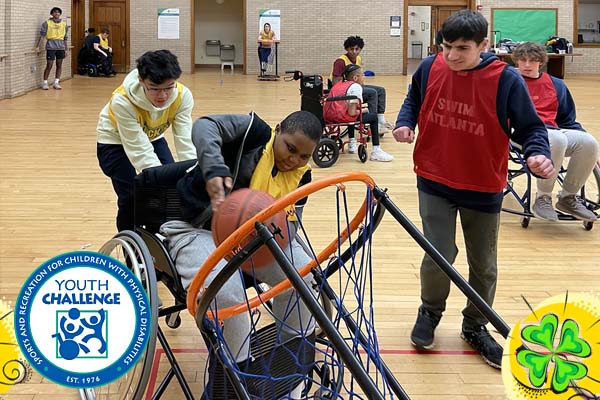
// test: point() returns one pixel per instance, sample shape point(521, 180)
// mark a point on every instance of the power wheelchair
point(344, 360)
point(520, 190)
point(312, 99)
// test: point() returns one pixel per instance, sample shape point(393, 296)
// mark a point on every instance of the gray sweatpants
point(189, 247)
point(581, 147)
point(480, 231)
point(374, 96)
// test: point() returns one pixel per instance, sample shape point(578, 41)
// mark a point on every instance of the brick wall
point(3, 50)
point(587, 64)
point(313, 33)
point(22, 70)
point(143, 35)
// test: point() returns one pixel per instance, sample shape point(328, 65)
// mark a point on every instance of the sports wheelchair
point(312, 99)
point(521, 191)
point(344, 359)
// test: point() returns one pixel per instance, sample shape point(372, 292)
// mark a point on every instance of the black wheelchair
point(520, 190)
point(91, 63)
point(341, 359)
point(312, 99)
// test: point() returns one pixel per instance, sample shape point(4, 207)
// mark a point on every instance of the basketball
point(238, 207)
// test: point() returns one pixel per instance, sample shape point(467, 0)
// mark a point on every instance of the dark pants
point(371, 119)
point(480, 231)
point(374, 96)
point(115, 164)
point(263, 54)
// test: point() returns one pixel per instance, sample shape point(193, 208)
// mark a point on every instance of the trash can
point(213, 47)
point(417, 49)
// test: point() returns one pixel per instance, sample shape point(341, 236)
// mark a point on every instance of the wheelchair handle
point(338, 98)
point(296, 75)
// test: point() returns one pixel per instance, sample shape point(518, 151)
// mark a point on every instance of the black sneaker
point(480, 339)
point(422, 333)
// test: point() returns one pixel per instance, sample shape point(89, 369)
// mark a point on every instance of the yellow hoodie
point(129, 133)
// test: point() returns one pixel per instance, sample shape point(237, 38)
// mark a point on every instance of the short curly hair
point(352, 41)
point(530, 50)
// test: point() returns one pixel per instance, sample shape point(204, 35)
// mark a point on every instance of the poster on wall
point(168, 23)
point(273, 17)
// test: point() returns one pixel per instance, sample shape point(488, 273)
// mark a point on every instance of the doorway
point(424, 19)
point(77, 31)
point(114, 15)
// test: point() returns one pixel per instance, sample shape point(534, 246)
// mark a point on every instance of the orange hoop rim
point(235, 238)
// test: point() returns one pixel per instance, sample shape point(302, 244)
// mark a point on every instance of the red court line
point(159, 352)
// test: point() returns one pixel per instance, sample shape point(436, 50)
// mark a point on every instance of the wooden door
point(77, 31)
point(113, 15)
point(438, 15)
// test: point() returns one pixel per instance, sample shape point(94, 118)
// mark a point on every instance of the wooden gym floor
point(55, 199)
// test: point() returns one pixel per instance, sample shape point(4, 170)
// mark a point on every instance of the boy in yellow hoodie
point(131, 127)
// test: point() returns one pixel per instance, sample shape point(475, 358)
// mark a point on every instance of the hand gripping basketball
point(237, 208)
point(233, 240)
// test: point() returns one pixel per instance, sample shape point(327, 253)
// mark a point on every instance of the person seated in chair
point(349, 111)
point(104, 51)
point(373, 95)
point(233, 152)
point(89, 38)
point(555, 106)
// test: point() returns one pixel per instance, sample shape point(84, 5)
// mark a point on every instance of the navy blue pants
point(115, 164)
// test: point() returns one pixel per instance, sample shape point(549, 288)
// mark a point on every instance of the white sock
point(381, 118)
point(540, 194)
point(563, 193)
point(56, 81)
point(352, 140)
point(375, 148)
point(45, 82)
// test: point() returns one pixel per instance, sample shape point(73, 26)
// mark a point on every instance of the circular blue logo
point(82, 319)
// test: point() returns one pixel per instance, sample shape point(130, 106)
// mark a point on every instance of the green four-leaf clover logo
point(570, 344)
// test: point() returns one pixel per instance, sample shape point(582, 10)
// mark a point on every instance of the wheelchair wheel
point(326, 153)
point(92, 71)
point(129, 248)
point(362, 153)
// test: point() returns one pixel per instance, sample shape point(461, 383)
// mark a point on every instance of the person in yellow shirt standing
point(131, 127)
point(54, 31)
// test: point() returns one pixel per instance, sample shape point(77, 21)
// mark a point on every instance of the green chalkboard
point(524, 24)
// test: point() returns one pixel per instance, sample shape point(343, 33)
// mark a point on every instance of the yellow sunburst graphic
point(12, 369)
point(554, 353)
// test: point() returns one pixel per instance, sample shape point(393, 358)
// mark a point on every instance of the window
point(587, 22)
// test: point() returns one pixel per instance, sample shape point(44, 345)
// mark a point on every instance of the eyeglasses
point(155, 91)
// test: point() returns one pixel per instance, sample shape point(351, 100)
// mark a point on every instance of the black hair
point(91, 30)
point(55, 9)
point(466, 25)
point(158, 66)
point(302, 121)
point(352, 41)
point(349, 71)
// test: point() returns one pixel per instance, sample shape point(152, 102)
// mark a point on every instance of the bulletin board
point(524, 24)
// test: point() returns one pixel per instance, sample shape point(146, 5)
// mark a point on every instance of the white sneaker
point(379, 155)
point(352, 147)
point(56, 86)
point(45, 86)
